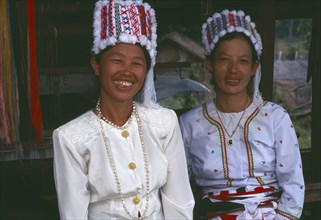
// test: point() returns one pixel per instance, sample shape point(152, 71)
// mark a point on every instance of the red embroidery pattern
point(222, 141)
point(103, 33)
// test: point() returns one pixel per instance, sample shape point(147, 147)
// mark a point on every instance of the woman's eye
point(245, 61)
point(223, 59)
point(116, 60)
point(138, 64)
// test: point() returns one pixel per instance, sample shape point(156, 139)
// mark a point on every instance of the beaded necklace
point(230, 140)
point(111, 123)
point(112, 162)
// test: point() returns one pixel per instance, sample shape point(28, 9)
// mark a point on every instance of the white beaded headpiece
point(127, 21)
point(220, 24)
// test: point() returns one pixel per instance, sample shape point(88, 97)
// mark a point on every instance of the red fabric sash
point(33, 71)
point(227, 195)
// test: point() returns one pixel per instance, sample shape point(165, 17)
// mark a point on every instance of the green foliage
point(290, 55)
point(188, 99)
point(302, 127)
point(293, 35)
point(278, 97)
point(300, 27)
point(194, 72)
point(305, 28)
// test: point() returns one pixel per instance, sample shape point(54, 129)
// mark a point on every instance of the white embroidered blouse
point(265, 152)
point(85, 183)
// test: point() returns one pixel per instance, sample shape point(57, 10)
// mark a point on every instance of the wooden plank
point(312, 192)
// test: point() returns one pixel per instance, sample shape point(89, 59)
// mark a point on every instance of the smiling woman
point(127, 151)
point(121, 70)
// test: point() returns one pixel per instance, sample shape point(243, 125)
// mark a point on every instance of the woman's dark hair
point(255, 57)
point(146, 54)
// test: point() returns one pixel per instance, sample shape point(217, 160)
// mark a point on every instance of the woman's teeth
point(123, 84)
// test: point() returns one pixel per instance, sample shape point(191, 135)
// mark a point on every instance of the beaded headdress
point(220, 24)
point(127, 21)
point(225, 22)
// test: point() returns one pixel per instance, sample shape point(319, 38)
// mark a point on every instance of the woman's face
point(232, 66)
point(122, 70)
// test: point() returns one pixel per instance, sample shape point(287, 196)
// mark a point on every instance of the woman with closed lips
point(233, 68)
point(242, 151)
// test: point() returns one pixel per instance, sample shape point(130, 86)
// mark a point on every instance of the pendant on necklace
point(230, 142)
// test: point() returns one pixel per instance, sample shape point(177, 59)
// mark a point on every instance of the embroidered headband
point(127, 21)
point(219, 24)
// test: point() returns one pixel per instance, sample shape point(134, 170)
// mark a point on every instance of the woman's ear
point(94, 65)
point(208, 65)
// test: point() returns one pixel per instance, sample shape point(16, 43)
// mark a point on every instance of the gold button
point(136, 200)
point(125, 134)
point(132, 165)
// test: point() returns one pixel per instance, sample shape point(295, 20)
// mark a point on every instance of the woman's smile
point(123, 84)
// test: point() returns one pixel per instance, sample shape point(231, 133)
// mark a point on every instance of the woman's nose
point(127, 67)
point(233, 67)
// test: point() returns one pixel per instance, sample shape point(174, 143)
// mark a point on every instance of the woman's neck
point(232, 103)
point(116, 112)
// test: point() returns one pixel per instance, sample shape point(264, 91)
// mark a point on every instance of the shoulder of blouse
point(157, 117)
point(273, 108)
point(193, 114)
point(79, 129)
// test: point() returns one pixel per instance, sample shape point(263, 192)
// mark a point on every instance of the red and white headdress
point(127, 21)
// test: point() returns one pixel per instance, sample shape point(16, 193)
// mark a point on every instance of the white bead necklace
point(230, 140)
point(109, 122)
point(113, 165)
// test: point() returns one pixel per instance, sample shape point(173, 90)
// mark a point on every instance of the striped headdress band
point(219, 24)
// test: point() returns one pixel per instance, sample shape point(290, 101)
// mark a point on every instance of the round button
point(125, 134)
point(132, 165)
point(136, 200)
